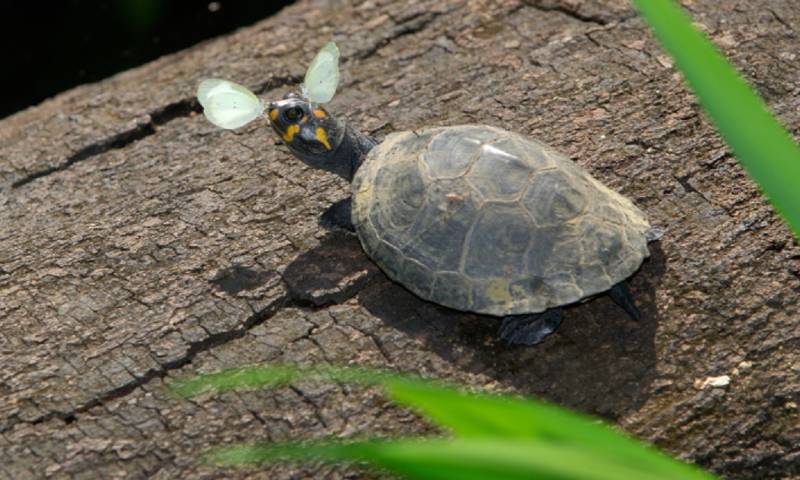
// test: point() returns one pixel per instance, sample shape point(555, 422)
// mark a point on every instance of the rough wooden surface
point(138, 243)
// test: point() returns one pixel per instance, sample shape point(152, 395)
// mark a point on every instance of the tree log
point(139, 244)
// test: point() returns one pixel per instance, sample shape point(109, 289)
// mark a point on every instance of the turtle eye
point(293, 113)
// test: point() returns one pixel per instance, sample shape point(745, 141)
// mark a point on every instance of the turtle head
point(309, 131)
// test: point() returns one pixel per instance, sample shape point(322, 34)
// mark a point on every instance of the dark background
point(51, 46)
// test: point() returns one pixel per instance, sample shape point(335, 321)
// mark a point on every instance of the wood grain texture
point(138, 243)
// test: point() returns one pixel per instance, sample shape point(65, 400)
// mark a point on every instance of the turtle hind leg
point(620, 294)
point(339, 215)
point(530, 329)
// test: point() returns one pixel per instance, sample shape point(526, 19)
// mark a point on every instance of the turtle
point(472, 217)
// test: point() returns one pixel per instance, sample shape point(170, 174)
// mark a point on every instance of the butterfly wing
point(322, 76)
point(228, 105)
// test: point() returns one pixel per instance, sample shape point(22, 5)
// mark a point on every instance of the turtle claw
point(654, 234)
point(338, 216)
point(530, 329)
point(620, 294)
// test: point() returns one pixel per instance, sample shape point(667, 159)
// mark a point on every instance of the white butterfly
point(322, 76)
point(227, 104)
point(230, 105)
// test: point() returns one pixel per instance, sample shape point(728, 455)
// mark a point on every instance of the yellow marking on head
point(273, 114)
point(323, 138)
point(290, 133)
point(320, 113)
point(304, 119)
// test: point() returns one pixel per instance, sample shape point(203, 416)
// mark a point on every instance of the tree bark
point(138, 243)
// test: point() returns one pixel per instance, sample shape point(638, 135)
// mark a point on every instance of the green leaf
point(480, 415)
point(757, 139)
point(459, 459)
point(470, 416)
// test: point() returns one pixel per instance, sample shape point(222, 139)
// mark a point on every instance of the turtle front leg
point(339, 216)
point(620, 294)
point(530, 329)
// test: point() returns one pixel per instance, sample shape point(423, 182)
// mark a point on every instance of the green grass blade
point(471, 415)
point(459, 459)
point(758, 140)
point(467, 415)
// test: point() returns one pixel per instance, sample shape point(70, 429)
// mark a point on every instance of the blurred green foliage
point(139, 15)
point(759, 142)
point(492, 436)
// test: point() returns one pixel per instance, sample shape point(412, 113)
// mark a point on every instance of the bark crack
point(194, 348)
point(157, 118)
point(574, 13)
point(213, 340)
point(315, 407)
point(780, 20)
point(409, 26)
